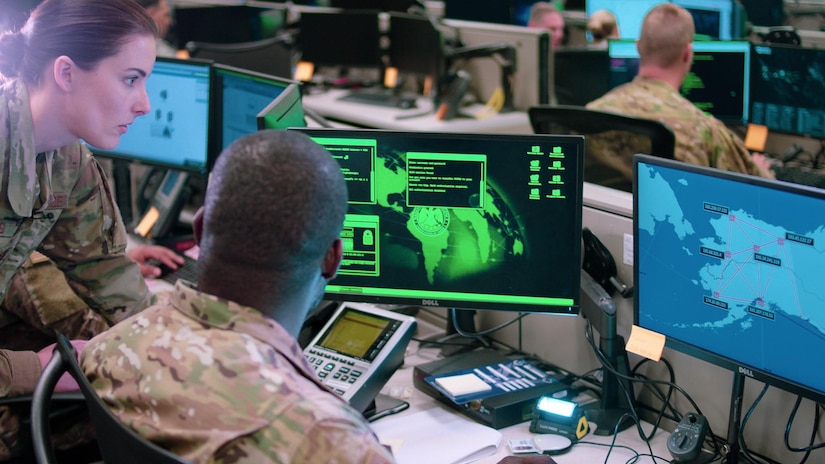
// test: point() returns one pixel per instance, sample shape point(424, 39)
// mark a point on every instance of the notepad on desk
point(436, 436)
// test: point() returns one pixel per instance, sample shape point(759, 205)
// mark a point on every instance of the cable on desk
point(814, 430)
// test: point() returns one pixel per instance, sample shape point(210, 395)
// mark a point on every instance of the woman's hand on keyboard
point(144, 254)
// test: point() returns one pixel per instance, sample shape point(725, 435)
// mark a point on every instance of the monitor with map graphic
point(467, 221)
point(728, 267)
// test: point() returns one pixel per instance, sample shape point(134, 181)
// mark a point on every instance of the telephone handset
point(358, 350)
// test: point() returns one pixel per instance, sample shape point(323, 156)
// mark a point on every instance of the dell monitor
point(471, 221)
point(725, 95)
point(788, 91)
point(728, 270)
point(285, 111)
point(240, 96)
point(176, 132)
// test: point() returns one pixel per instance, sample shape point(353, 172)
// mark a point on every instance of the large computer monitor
point(285, 111)
point(581, 75)
point(460, 220)
point(421, 57)
point(725, 95)
point(345, 38)
point(532, 82)
point(176, 132)
point(716, 19)
point(629, 13)
point(729, 271)
point(240, 95)
point(486, 11)
point(788, 91)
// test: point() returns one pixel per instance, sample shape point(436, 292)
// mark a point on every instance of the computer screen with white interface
point(460, 220)
point(725, 95)
point(176, 132)
point(728, 269)
point(243, 94)
point(788, 92)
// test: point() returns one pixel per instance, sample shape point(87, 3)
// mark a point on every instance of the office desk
point(401, 385)
point(328, 105)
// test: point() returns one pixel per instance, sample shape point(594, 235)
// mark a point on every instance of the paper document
point(436, 436)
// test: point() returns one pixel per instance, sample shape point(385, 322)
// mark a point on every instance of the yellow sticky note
point(645, 343)
point(304, 71)
point(149, 219)
point(755, 137)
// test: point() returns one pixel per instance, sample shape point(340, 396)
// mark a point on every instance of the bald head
point(666, 31)
point(275, 203)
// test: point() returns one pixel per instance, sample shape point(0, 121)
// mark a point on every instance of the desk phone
point(359, 349)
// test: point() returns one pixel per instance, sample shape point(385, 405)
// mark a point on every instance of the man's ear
point(63, 70)
point(197, 225)
point(333, 259)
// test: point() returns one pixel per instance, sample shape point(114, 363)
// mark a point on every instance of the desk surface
point(401, 386)
point(328, 104)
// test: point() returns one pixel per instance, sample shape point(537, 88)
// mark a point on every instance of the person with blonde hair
point(602, 26)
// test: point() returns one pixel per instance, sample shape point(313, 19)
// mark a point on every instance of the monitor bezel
point(689, 348)
point(575, 238)
point(291, 96)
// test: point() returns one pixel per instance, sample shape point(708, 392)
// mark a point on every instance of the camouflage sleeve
point(19, 371)
point(329, 440)
point(88, 244)
point(728, 151)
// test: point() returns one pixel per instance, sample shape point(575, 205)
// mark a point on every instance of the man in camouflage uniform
point(666, 56)
point(60, 204)
point(217, 373)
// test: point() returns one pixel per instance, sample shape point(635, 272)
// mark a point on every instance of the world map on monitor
point(731, 268)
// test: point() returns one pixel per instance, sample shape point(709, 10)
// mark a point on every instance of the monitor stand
point(459, 322)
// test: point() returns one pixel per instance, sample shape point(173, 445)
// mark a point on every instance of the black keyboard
point(188, 271)
point(381, 97)
point(801, 175)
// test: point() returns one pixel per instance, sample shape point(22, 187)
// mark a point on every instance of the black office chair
point(626, 136)
point(117, 442)
point(272, 55)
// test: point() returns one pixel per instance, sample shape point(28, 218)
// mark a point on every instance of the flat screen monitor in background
point(460, 220)
point(403, 6)
point(581, 75)
point(725, 95)
point(730, 272)
point(629, 14)
point(240, 96)
point(485, 11)
point(176, 132)
point(345, 38)
point(788, 91)
point(421, 57)
point(285, 111)
point(715, 19)
point(532, 82)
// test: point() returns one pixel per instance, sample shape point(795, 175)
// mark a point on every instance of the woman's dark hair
point(87, 31)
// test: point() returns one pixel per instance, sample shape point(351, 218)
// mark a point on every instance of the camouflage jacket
point(222, 383)
point(700, 138)
point(60, 204)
